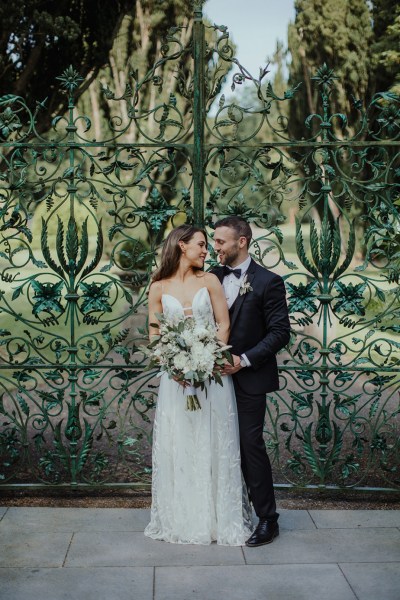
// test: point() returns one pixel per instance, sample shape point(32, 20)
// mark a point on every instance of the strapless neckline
point(193, 299)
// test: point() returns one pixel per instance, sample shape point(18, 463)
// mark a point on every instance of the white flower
point(180, 362)
point(201, 332)
point(187, 337)
point(245, 286)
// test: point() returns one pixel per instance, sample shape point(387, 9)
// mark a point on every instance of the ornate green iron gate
point(81, 222)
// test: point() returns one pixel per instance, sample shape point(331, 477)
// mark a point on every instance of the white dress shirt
point(231, 285)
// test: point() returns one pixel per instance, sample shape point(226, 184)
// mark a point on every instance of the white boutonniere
point(245, 286)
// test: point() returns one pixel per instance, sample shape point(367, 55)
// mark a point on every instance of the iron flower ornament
point(70, 79)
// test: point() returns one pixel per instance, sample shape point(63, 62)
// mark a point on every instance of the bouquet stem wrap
point(192, 401)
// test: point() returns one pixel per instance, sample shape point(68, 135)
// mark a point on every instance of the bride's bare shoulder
point(155, 289)
point(211, 280)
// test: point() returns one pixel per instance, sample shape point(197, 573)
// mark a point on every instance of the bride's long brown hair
point(171, 252)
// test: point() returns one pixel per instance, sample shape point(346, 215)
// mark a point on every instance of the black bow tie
point(227, 271)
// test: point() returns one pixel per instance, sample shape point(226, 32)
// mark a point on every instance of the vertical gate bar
point(73, 429)
point(324, 423)
point(198, 117)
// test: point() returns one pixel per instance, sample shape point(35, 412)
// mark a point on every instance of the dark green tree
point(39, 39)
point(338, 34)
point(386, 45)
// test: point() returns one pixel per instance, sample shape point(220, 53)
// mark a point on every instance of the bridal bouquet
point(188, 352)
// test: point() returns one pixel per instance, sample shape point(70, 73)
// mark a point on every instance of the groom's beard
point(229, 258)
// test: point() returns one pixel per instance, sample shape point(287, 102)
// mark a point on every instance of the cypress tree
point(338, 34)
point(386, 45)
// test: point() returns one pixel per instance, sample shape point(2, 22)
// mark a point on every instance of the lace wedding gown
point(198, 494)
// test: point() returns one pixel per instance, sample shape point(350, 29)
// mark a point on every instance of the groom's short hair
point(240, 225)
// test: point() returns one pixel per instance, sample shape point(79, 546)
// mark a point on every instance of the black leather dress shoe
point(264, 533)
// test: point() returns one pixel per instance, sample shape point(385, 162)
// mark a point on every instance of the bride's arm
point(220, 306)
point(154, 307)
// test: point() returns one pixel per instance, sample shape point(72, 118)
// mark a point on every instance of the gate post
point(198, 116)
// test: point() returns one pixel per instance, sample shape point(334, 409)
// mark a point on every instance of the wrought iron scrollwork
point(81, 222)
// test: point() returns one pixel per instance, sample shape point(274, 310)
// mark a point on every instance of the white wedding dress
point(198, 495)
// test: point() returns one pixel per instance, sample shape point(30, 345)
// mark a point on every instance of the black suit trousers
point(256, 466)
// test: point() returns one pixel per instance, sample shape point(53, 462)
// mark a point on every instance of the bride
point(197, 491)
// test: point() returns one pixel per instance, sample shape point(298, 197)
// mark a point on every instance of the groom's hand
point(232, 369)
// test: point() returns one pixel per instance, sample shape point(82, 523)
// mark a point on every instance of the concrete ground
point(101, 554)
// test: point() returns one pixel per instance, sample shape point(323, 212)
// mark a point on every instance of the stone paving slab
point(88, 584)
point(75, 519)
point(345, 519)
point(93, 549)
point(329, 546)
point(3, 510)
point(27, 549)
point(110, 519)
point(373, 581)
point(275, 582)
point(294, 519)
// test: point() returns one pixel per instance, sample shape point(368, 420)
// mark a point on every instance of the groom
point(259, 329)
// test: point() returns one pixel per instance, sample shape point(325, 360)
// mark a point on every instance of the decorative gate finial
point(198, 9)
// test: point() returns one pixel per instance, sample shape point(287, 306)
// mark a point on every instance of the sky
point(254, 26)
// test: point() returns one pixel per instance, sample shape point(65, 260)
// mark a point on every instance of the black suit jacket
point(259, 328)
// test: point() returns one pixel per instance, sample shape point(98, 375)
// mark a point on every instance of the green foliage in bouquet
point(189, 352)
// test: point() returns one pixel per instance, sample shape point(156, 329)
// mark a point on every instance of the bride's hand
point(229, 369)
